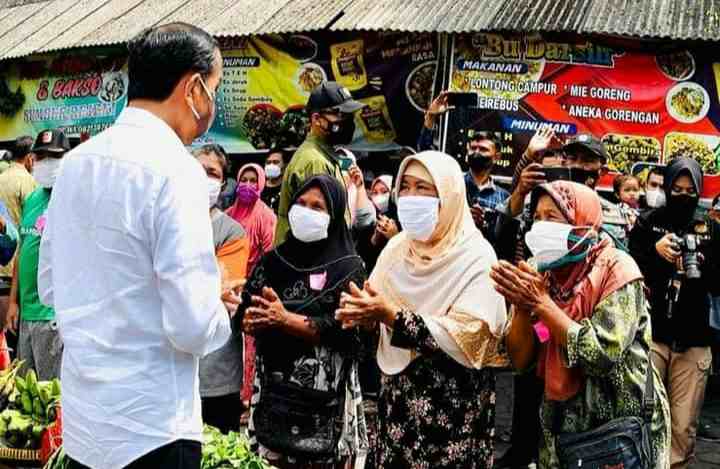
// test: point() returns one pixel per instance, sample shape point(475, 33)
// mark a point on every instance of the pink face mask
point(246, 193)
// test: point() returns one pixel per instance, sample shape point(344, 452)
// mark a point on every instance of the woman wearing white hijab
point(440, 324)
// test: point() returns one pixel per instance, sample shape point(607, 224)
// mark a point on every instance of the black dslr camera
point(689, 245)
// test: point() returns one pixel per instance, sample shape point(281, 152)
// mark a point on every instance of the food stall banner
point(644, 106)
point(267, 81)
point(81, 93)
point(260, 103)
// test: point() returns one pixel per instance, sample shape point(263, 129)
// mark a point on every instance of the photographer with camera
point(678, 255)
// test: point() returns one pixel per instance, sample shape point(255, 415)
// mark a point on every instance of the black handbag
point(301, 422)
point(622, 443)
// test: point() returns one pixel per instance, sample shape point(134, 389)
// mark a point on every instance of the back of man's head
point(159, 57)
point(22, 147)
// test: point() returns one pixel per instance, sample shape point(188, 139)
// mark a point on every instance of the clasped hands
point(364, 308)
point(522, 286)
point(267, 312)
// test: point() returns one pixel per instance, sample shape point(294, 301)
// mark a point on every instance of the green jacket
point(312, 158)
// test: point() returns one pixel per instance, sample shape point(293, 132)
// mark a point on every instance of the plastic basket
point(24, 457)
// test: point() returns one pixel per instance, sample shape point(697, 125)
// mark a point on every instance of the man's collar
point(327, 149)
point(137, 117)
point(489, 185)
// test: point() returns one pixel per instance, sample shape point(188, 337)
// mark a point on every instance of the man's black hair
point(475, 135)
point(276, 149)
point(218, 151)
point(159, 57)
point(22, 147)
point(659, 170)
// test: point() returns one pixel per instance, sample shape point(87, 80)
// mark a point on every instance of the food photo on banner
point(267, 81)
point(646, 106)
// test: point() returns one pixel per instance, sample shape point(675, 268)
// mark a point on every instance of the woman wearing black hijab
point(307, 377)
point(680, 284)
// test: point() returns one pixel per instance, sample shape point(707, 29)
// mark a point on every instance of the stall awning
point(28, 27)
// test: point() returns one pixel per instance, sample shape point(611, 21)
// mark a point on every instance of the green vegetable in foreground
point(231, 451)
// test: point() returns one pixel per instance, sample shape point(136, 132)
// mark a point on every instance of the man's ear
point(188, 84)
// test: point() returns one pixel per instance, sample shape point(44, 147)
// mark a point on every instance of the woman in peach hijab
point(440, 325)
point(581, 314)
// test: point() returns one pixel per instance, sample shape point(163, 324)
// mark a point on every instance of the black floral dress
point(436, 413)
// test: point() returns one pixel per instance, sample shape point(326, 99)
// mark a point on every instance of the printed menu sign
point(267, 82)
point(644, 106)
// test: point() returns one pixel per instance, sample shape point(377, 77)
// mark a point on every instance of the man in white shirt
point(128, 262)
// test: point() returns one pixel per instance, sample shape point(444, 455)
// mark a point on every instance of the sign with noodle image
point(705, 149)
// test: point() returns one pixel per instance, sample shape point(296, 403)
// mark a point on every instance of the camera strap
point(673, 292)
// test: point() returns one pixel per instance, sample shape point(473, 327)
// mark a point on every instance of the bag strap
point(648, 402)
point(649, 398)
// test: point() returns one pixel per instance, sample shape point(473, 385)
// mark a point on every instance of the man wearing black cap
point(678, 252)
point(331, 110)
point(582, 157)
point(38, 343)
point(586, 156)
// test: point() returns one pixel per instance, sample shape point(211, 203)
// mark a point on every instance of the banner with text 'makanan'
point(645, 107)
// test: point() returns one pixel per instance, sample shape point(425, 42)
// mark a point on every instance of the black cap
point(52, 140)
point(588, 143)
point(330, 96)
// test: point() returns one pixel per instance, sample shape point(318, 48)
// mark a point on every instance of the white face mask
point(548, 241)
point(382, 201)
point(419, 216)
point(46, 171)
point(308, 225)
point(214, 188)
point(655, 198)
point(273, 171)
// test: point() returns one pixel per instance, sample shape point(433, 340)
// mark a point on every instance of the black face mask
point(682, 207)
point(479, 162)
point(340, 132)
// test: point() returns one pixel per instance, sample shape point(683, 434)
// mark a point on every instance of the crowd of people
point(352, 322)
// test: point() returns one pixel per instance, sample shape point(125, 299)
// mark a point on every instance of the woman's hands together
point(267, 312)
point(364, 308)
point(522, 286)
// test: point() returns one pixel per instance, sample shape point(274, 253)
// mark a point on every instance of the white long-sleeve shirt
point(127, 260)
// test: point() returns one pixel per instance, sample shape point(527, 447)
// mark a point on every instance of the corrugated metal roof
point(304, 15)
point(542, 15)
point(14, 3)
point(95, 21)
point(676, 19)
point(16, 17)
point(65, 21)
point(246, 17)
point(129, 22)
point(43, 16)
point(43, 26)
point(203, 13)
